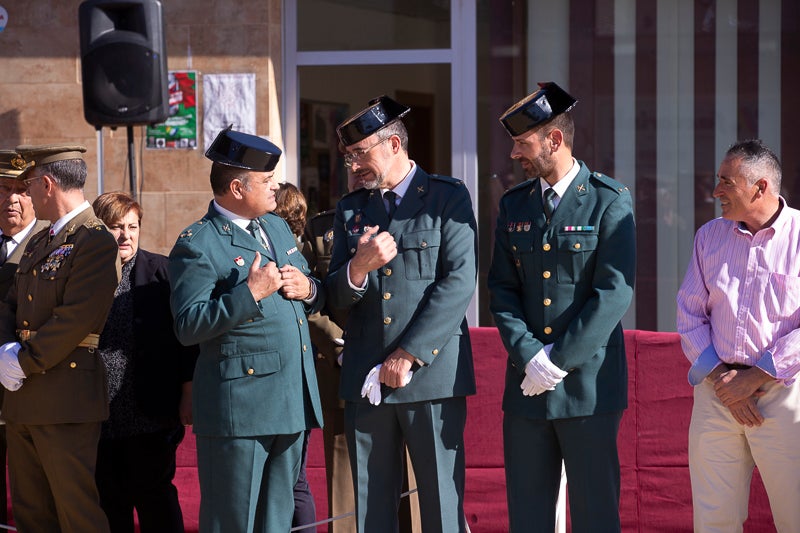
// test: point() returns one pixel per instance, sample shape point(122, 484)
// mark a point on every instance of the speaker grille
point(123, 79)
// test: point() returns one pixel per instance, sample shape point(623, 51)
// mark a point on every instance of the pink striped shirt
point(740, 298)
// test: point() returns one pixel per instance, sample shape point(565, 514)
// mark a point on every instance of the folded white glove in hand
point(541, 375)
point(11, 374)
point(372, 385)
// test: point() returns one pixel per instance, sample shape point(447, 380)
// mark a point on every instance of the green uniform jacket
point(255, 372)
point(567, 283)
point(63, 290)
point(418, 300)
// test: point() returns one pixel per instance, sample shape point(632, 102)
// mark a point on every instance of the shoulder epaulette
point(193, 228)
point(94, 223)
point(609, 182)
point(525, 185)
point(447, 179)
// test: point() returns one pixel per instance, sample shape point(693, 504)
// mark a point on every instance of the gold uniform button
point(73, 364)
point(25, 323)
point(301, 321)
point(30, 297)
point(387, 271)
point(387, 295)
point(546, 247)
point(424, 244)
point(547, 301)
point(250, 371)
point(577, 246)
point(305, 347)
point(352, 250)
point(517, 262)
point(546, 274)
point(34, 272)
point(548, 330)
point(387, 320)
point(435, 352)
point(514, 248)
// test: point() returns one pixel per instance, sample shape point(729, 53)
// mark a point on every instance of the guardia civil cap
point(243, 150)
point(33, 155)
point(11, 164)
point(379, 113)
point(537, 108)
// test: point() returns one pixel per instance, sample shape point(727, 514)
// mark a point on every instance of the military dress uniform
point(567, 282)
point(254, 380)
point(416, 301)
point(57, 308)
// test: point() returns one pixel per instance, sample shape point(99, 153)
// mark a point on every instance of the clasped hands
point(394, 372)
point(541, 375)
point(289, 280)
point(739, 390)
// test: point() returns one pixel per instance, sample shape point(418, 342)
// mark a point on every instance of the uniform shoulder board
point(192, 229)
point(361, 190)
point(324, 214)
point(524, 186)
point(447, 179)
point(94, 223)
point(611, 183)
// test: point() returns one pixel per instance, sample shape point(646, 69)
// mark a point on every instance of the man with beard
point(404, 264)
point(561, 279)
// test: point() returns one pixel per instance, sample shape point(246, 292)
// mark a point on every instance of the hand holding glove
point(372, 385)
point(541, 375)
point(11, 374)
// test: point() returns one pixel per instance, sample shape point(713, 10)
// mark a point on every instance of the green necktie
point(549, 203)
point(255, 230)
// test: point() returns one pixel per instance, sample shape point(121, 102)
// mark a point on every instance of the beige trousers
point(722, 454)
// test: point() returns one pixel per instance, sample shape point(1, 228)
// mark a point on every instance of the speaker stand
point(132, 164)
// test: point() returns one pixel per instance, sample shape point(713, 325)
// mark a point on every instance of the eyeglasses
point(29, 181)
point(357, 155)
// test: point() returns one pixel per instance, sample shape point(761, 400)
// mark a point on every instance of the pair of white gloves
point(372, 385)
point(541, 374)
point(11, 374)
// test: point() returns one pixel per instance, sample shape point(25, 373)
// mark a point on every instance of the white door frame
point(462, 58)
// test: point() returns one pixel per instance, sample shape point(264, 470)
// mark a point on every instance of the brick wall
point(41, 99)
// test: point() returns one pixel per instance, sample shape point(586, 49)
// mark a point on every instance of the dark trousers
point(533, 451)
point(305, 512)
point(137, 472)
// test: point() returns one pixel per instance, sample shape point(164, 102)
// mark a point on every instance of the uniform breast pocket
point(782, 298)
point(524, 258)
point(253, 364)
point(420, 253)
point(576, 252)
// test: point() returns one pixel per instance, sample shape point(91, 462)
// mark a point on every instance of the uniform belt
point(738, 366)
point(91, 341)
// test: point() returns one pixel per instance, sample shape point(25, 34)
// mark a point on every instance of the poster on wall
point(179, 131)
point(228, 99)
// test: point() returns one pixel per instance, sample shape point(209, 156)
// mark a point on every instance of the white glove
point(11, 374)
point(339, 342)
point(541, 375)
point(372, 385)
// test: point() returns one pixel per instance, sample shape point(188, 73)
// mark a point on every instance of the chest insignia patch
point(56, 259)
point(239, 260)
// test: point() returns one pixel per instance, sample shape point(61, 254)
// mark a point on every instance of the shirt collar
point(236, 219)
point(59, 224)
point(402, 188)
point(563, 184)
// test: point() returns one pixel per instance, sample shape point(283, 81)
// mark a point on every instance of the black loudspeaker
point(123, 62)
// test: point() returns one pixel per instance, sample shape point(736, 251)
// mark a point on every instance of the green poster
point(180, 128)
